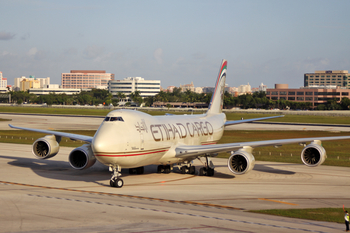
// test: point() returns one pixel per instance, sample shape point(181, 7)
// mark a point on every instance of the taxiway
point(50, 196)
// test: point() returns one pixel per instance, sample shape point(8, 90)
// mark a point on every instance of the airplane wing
point(61, 134)
point(195, 151)
point(250, 120)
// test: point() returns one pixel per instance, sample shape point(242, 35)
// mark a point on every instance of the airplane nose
point(99, 143)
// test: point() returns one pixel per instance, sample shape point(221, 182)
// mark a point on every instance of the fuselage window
point(116, 119)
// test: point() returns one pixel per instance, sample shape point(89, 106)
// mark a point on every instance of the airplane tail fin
point(217, 98)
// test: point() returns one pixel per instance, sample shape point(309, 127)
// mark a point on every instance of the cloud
point(36, 54)
point(7, 35)
point(93, 52)
point(32, 51)
point(25, 36)
point(158, 55)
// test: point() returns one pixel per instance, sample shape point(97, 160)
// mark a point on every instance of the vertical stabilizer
point(217, 98)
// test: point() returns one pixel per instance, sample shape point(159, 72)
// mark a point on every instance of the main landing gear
point(208, 169)
point(164, 169)
point(115, 180)
point(188, 169)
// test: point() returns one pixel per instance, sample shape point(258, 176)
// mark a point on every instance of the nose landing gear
point(115, 180)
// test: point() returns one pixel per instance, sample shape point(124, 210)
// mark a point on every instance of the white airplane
point(133, 139)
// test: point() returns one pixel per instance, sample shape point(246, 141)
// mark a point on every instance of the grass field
point(337, 151)
point(319, 214)
point(230, 116)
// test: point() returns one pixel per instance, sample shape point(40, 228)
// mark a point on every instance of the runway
point(50, 196)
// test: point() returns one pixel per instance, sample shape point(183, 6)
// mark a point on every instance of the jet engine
point(313, 154)
point(82, 157)
point(46, 147)
point(241, 161)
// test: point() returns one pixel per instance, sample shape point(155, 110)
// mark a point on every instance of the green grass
point(26, 137)
point(337, 151)
point(1, 119)
point(294, 118)
point(319, 214)
point(230, 116)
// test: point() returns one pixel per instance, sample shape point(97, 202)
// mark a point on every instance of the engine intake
point(241, 162)
point(313, 154)
point(82, 157)
point(46, 147)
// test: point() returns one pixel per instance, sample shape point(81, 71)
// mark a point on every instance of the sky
point(175, 41)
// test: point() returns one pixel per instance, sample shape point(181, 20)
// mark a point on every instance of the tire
point(202, 171)
point(160, 168)
point(183, 170)
point(118, 183)
point(111, 183)
point(210, 172)
point(167, 169)
point(192, 170)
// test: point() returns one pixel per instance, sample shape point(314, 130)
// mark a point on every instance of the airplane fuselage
point(132, 139)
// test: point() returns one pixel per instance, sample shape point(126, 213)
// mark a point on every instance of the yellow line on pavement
point(282, 202)
point(125, 195)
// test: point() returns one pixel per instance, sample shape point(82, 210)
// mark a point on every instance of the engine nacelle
point(241, 162)
point(46, 147)
point(82, 157)
point(313, 154)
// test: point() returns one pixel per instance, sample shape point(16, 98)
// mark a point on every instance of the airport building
point(83, 79)
point(55, 89)
point(338, 78)
point(316, 95)
point(129, 85)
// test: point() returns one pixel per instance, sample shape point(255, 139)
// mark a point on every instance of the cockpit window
point(107, 118)
point(116, 119)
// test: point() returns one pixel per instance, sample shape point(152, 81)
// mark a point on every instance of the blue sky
point(175, 41)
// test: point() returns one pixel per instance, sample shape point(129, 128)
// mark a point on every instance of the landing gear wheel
point(115, 180)
point(183, 170)
point(167, 169)
point(160, 169)
point(192, 170)
point(210, 172)
point(118, 183)
point(202, 171)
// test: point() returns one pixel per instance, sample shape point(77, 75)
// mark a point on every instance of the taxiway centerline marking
point(126, 195)
point(282, 202)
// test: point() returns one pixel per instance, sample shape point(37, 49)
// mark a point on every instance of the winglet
point(217, 98)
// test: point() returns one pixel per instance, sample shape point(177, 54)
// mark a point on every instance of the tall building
point(131, 84)
point(262, 87)
point(243, 89)
point(3, 83)
point(42, 82)
point(339, 78)
point(27, 84)
point(187, 87)
point(82, 79)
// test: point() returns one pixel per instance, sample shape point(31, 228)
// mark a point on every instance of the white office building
point(3, 83)
point(131, 84)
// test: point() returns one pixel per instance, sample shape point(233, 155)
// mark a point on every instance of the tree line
point(100, 96)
